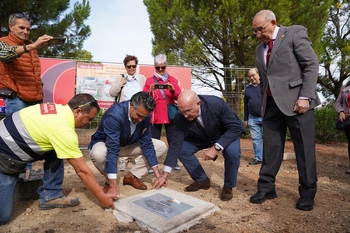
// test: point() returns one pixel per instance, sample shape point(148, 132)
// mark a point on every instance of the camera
point(56, 41)
point(161, 86)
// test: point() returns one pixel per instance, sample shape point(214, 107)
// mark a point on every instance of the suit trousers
point(232, 155)
point(98, 156)
point(302, 131)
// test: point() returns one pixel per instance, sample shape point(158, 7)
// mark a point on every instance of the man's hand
point(107, 201)
point(210, 154)
point(301, 106)
point(246, 124)
point(42, 41)
point(160, 182)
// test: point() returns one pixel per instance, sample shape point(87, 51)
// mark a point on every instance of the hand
point(342, 116)
point(151, 88)
point(160, 182)
point(123, 81)
point(301, 106)
point(246, 123)
point(171, 87)
point(210, 154)
point(41, 42)
point(113, 192)
point(107, 201)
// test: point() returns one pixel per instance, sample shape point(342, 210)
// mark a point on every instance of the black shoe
point(255, 162)
point(260, 197)
point(305, 203)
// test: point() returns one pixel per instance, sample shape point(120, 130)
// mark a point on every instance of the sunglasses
point(160, 67)
point(19, 16)
point(91, 103)
point(131, 66)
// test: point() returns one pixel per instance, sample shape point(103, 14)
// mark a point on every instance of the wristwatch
point(217, 147)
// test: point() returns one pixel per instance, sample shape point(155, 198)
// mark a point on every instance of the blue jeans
point(7, 196)
point(255, 127)
point(232, 155)
point(51, 188)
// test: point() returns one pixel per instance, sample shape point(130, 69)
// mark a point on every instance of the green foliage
point(50, 17)
point(336, 45)
point(325, 118)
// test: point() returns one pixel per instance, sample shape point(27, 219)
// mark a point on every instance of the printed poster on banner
point(96, 79)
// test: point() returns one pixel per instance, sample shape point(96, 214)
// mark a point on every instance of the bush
point(325, 131)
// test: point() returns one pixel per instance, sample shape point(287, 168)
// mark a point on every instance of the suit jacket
point(221, 125)
point(114, 131)
point(292, 71)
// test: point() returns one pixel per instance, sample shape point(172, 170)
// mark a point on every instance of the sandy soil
point(331, 212)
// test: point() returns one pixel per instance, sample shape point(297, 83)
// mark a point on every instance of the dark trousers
point(156, 131)
point(232, 155)
point(302, 131)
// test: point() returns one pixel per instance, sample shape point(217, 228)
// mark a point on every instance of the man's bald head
point(189, 104)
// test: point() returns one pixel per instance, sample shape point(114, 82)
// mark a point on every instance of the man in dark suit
point(288, 68)
point(125, 131)
point(204, 122)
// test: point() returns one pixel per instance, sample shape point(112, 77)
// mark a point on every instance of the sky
point(118, 27)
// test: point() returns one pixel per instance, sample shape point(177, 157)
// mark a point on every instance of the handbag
point(7, 93)
point(172, 108)
point(342, 125)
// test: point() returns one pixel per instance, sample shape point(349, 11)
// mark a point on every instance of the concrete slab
point(288, 156)
point(165, 210)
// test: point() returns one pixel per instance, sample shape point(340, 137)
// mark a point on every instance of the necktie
point(200, 126)
point(270, 45)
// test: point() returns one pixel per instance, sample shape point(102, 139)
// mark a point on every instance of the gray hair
point(160, 59)
point(267, 14)
point(14, 16)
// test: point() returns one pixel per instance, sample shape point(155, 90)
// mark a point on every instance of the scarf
point(164, 78)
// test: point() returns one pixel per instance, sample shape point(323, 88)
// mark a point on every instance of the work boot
point(61, 202)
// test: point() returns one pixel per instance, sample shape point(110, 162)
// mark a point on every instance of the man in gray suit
point(288, 68)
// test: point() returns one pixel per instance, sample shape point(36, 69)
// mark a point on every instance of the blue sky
point(118, 27)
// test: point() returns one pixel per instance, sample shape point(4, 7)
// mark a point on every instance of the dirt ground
point(331, 211)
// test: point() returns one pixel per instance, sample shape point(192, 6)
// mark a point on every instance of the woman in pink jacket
point(163, 97)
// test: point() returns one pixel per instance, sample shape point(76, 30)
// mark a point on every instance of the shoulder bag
point(117, 98)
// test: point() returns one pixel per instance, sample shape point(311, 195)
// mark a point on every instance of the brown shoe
point(226, 194)
point(195, 186)
point(62, 202)
point(134, 182)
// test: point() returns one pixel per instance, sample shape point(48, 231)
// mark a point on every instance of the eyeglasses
point(131, 66)
point(18, 16)
point(260, 29)
point(160, 67)
point(91, 103)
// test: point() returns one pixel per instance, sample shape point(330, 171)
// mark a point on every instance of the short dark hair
point(84, 101)
point(145, 99)
point(130, 58)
